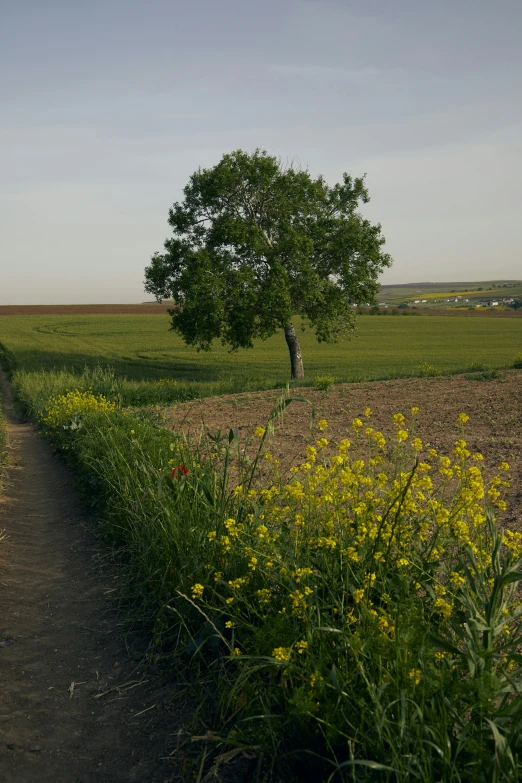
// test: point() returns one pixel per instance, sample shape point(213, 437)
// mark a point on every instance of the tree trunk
point(296, 359)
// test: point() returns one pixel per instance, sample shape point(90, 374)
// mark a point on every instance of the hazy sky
point(108, 106)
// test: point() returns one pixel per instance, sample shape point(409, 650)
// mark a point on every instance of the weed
point(486, 375)
point(4, 454)
point(7, 360)
point(323, 382)
point(517, 361)
point(427, 370)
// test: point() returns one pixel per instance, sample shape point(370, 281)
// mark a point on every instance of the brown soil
point(149, 308)
point(76, 705)
point(494, 408)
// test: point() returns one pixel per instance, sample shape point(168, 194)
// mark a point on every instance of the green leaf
point(444, 646)
point(511, 576)
point(517, 657)
point(233, 435)
point(501, 744)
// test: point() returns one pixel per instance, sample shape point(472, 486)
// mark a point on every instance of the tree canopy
point(256, 243)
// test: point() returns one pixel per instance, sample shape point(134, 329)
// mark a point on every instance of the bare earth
point(148, 308)
point(494, 408)
point(60, 646)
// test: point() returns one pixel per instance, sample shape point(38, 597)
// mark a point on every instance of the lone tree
point(256, 243)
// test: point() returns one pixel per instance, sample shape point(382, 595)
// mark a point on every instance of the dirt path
point(60, 649)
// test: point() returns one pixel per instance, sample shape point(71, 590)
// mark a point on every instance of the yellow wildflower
point(197, 591)
point(415, 675)
point(263, 595)
point(457, 579)
point(281, 653)
point(443, 607)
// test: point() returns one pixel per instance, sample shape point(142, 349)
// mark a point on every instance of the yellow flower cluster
point(281, 653)
point(513, 541)
point(197, 590)
point(317, 556)
point(62, 409)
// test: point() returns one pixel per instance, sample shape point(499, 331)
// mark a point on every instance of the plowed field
point(494, 408)
point(148, 308)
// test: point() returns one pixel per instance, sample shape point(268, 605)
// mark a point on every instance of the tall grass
point(357, 620)
point(3, 449)
point(34, 389)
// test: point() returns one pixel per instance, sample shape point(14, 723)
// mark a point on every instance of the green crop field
point(474, 291)
point(142, 347)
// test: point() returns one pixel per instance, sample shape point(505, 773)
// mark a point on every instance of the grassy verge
point(3, 449)
point(356, 620)
point(34, 389)
point(3, 458)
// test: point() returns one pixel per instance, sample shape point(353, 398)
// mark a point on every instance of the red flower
point(181, 468)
